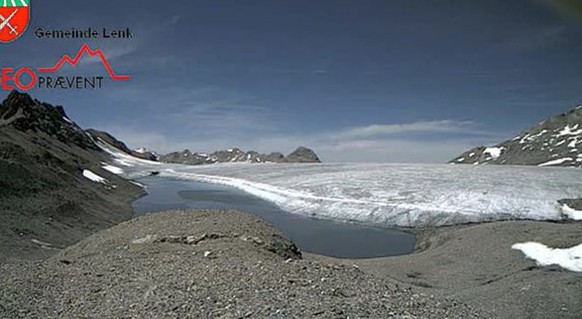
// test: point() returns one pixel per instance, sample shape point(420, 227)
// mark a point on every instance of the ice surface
point(393, 194)
point(570, 258)
point(94, 177)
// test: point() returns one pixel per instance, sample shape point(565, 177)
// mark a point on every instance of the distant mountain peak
point(556, 141)
point(300, 155)
point(303, 154)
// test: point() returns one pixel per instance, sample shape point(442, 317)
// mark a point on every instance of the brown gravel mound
point(203, 264)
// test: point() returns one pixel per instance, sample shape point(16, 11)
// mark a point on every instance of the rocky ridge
point(47, 199)
point(300, 155)
point(554, 142)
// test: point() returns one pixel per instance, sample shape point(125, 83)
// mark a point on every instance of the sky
point(357, 81)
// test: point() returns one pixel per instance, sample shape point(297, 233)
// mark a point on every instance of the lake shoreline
point(322, 236)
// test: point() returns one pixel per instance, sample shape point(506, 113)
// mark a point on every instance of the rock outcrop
point(554, 142)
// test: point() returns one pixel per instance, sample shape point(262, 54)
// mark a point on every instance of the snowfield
point(391, 194)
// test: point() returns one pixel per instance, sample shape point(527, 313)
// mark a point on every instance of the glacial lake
point(325, 237)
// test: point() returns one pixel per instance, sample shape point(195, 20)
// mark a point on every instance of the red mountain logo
point(74, 61)
point(14, 18)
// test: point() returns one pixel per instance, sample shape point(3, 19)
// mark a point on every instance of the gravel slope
point(203, 264)
point(476, 265)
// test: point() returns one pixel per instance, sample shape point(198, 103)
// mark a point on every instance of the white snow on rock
point(67, 120)
point(113, 169)
point(94, 177)
point(532, 137)
point(460, 160)
point(556, 162)
point(571, 212)
point(570, 258)
point(570, 130)
point(494, 152)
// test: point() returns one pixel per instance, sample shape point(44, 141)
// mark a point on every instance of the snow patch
point(494, 152)
point(556, 162)
point(460, 160)
point(138, 184)
point(94, 177)
point(571, 212)
point(570, 258)
point(113, 169)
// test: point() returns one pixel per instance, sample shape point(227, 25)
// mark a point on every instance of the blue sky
point(379, 81)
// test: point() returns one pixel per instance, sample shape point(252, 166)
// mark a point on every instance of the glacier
point(408, 195)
